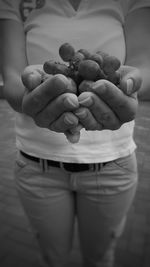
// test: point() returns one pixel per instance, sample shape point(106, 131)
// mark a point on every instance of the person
point(94, 178)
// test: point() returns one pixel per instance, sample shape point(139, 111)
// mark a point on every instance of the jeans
point(100, 200)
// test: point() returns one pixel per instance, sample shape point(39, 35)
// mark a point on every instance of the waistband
point(71, 167)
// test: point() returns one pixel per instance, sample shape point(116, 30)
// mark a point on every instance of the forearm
point(13, 92)
point(137, 36)
point(14, 60)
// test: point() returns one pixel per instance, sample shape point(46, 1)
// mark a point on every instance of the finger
point(87, 119)
point(64, 123)
point(85, 85)
point(73, 134)
point(31, 80)
point(131, 79)
point(123, 106)
point(103, 114)
point(76, 129)
point(36, 100)
point(32, 76)
point(64, 102)
point(72, 138)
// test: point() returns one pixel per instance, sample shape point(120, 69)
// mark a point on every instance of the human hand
point(105, 106)
point(106, 90)
point(50, 100)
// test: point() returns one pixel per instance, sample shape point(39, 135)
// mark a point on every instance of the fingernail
point(73, 138)
point(76, 129)
point(129, 86)
point(99, 86)
point(72, 102)
point(87, 101)
point(68, 120)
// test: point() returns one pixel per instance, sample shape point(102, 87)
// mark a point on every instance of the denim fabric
point(100, 200)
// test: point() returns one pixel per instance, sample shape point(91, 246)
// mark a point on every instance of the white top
point(96, 25)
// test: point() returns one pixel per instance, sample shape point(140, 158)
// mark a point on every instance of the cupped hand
point(103, 105)
point(49, 100)
point(52, 101)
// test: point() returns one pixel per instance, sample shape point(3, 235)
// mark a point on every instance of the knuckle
point(105, 117)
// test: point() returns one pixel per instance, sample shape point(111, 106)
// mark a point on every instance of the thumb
point(131, 82)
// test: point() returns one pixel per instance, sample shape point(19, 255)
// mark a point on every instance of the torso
point(48, 26)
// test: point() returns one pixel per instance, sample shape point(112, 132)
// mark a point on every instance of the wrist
point(14, 95)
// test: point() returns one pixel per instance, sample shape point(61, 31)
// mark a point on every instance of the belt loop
point(46, 165)
point(92, 167)
point(97, 167)
point(101, 165)
point(41, 164)
point(62, 165)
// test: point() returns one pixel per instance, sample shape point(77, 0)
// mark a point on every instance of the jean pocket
point(20, 165)
point(126, 164)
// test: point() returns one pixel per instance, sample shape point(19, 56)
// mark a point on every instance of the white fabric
point(97, 25)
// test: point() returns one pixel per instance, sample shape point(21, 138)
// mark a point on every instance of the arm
point(137, 34)
point(14, 60)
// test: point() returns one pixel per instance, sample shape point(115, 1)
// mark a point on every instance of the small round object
point(52, 67)
point(77, 58)
point(97, 58)
point(31, 79)
point(110, 64)
point(85, 52)
point(66, 52)
point(89, 69)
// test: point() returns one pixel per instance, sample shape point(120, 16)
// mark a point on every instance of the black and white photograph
point(74, 133)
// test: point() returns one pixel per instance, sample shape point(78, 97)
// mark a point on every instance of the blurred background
point(1, 82)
